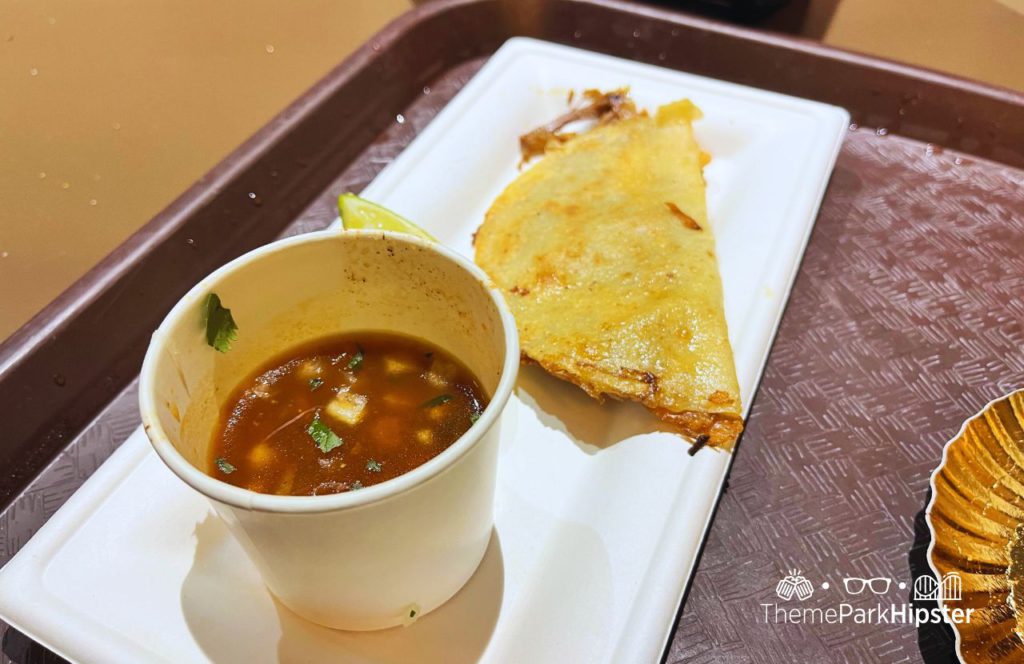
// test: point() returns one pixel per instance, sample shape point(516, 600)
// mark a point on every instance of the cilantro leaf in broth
point(323, 435)
point(357, 360)
point(355, 485)
point(437, 401)
point(314, 383)
point(224, 466)
point(221, 329)
point(373, 466)
point(473, 417)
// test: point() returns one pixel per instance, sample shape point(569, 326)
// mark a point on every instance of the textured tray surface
point(902, 323)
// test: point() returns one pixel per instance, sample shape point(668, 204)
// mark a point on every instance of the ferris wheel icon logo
point(927, 587)
point(794, 584)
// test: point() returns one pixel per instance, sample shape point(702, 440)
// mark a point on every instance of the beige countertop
point(110, 109)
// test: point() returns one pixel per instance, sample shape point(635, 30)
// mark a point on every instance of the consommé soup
point(343, 412)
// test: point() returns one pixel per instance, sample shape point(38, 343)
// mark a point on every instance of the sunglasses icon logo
point(856, 585)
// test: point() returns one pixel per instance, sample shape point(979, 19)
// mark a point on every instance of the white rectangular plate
point(599, 512)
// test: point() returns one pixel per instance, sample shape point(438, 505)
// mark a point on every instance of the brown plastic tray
point(906, 317)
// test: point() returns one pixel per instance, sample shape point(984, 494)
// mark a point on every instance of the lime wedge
point(359, 213)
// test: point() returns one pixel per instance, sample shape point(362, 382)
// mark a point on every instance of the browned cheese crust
point(606, 257)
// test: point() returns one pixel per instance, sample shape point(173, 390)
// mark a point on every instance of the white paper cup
point(365, 559)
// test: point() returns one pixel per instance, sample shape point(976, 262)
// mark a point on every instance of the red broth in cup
point(343, 412)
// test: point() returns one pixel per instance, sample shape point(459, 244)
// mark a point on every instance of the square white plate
point(599, 514)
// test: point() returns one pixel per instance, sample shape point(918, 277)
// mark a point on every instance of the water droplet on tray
point(636, 33)
point(577, 34)
point(256, 200)
point(269, 48)
point(854, 126)
point(93, 202)
point(42, 175)
point(882, 131)
point(66, 185)
point(426, 89)
point(33, 72)
point(400, 119)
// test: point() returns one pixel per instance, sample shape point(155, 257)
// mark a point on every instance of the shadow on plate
point(591, 425)
point(234, 618)
point(935, 640)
